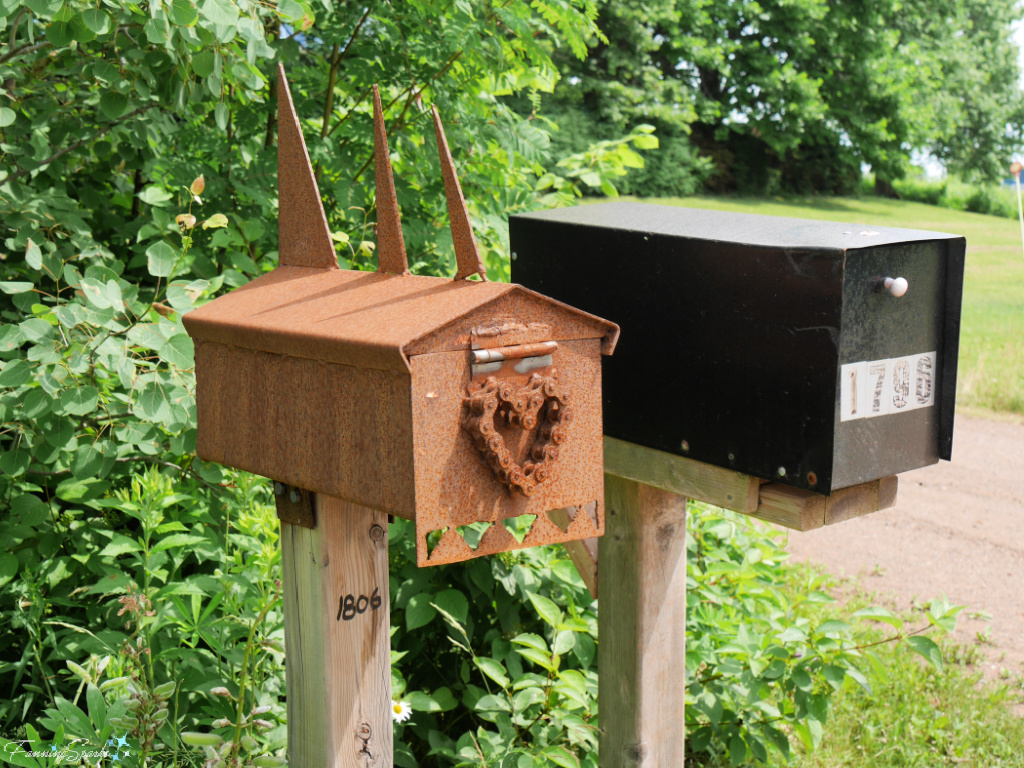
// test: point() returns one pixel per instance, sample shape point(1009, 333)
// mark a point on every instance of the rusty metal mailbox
point(816, 354)
point(455, 403)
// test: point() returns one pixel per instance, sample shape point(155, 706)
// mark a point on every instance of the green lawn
point(992, 336)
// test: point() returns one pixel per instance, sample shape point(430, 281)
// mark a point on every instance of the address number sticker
point(883, 387)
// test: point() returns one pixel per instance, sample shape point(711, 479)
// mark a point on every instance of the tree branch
point(72, 147)
point(337, 57)
point(27, 48)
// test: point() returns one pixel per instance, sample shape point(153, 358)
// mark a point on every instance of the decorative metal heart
point(538, 404)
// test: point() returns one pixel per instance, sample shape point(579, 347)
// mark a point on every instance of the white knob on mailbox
point(897, 287)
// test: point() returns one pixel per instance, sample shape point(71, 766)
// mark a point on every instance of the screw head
point(732, 456)
point(685, 445)
point(295, 496)
point(782, 471)
point(278, 488)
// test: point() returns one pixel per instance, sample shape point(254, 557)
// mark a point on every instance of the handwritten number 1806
point(350, 605)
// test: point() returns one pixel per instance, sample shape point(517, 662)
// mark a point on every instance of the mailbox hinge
point(294, 505)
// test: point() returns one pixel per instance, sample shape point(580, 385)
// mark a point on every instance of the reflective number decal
point(882, 387)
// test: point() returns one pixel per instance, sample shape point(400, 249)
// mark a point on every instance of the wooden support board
point(642, 626)
point(773, 502)
point(337, 633)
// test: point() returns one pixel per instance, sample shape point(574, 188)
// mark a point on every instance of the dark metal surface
point(877, 326)
point(390, 242)
point(304, 239)
point(467, 255)
point(294, 505)
point(734, 328)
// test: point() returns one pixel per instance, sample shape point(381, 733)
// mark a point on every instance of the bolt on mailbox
point(453, 403)
point(816, 354)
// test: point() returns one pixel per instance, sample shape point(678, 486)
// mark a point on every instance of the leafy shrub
point(959, 196)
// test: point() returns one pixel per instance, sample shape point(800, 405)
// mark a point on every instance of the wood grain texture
point(805, 510)
point(338, 671)
point(642, 626)
point(686, 477)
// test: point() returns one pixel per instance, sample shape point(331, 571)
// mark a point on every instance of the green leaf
point(421, 702)
point(15, 373)
point(160, 259)
point(531, 640)
point(151, 402)
point(220, 11)
point(221, 115)
point(419, 612)
point(120, 545)
point(11, 288)
point(546, 609)
point(179, 351)
point(8, 567)
point(453, 602)
point(158, 31)
point(155, 195)
point(493, 669)
point(564, 642)
point(216, 221)
point(113, 104)
point(177, 541)
point(876, 613)
point(202, 63)
point(33, 255)
point(562, 757)
point(183, 13)
point(87, 462)
point(82, 33)
point(7, 116)
point(927, 649)
point(96, 20)
point(645, 142)
point(62, 29)
point(97, 706)
point(833, 626)
point(80, 401)
point(36, 404)
point(16, 461)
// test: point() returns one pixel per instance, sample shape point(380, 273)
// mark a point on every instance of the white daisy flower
point(400, 711)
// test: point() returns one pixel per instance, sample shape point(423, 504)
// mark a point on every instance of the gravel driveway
point(957, 529)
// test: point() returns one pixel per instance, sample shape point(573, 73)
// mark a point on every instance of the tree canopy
point(799, 94)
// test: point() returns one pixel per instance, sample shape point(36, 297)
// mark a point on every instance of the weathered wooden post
point(363, 395)
point(785, 369)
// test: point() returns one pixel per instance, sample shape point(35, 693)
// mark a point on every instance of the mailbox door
point(461, 503)
point(897, 360)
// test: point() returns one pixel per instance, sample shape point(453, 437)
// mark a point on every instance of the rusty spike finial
point(390, 243)
point(303, 237)
point(467, 256)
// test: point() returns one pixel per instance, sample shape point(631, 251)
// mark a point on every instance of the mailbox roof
point(369, 319)
point(728, 227)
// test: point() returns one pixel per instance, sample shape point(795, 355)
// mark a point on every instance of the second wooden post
point(642, 626)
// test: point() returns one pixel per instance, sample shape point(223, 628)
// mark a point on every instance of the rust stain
point(390, 242)
point(538, 404)
point(304, 239)
point(456, 486)
point(467, 255)
point(294, 505)
point(362, 385)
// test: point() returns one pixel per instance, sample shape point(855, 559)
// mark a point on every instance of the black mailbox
point(813, 353)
